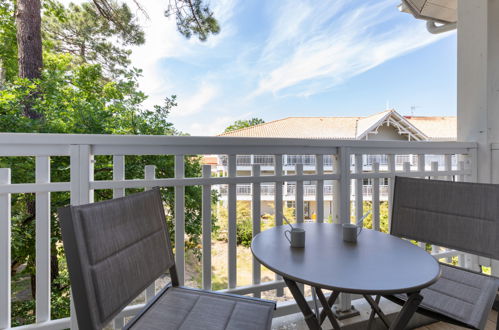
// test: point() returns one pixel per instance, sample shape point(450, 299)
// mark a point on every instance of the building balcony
point(101, 163)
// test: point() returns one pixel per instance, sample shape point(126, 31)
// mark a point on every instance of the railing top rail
point(140, 140)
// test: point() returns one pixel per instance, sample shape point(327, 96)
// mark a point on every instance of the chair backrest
point(458, 215)
point(115, 249)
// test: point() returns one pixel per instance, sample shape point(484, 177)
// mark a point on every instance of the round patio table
point(378, 264)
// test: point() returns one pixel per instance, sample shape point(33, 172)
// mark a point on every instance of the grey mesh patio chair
point(457, 215)
point(115, 249)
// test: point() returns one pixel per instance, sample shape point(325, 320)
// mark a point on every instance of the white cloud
point(329, 45)
point(215, 127)
point(197, 102)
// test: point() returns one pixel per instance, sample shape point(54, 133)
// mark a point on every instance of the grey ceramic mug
point(350, 232)
point(296, 237)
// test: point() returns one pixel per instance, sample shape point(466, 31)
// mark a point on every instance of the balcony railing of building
point(80, 183)
point(309, 190)
point(310, 160)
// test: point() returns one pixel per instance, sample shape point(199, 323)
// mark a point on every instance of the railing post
point(149, 174)
point(344, 307)
point(375, 200)
point(5, 251)
point(278, 206)
point(180, 219)
point(42, 242)
point(299, 193)
point(255, 213)
point(119, 174)
point(206, 219)
point(343, 196)
point(319, 193)
point(232, 224)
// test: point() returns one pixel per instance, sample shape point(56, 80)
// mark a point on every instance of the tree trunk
point(29, 43)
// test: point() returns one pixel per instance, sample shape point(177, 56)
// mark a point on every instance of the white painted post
point(206, 219)
point(359, 198)
point(344, 183)
point(149, 174)
point(448, 165)
point(421, 167)
point(5, 254)
point(478, 81)
point(118, 174)
point(86, 174)
point(299, 194)
point(319, 194)
point(345, 299)
point(232, 230)
point(255, 213)
point(42, 242)
point(278, 207)
point(375, 199)
point(75, 170)
point(336, 189)
point(391, 185)
point(180, 220)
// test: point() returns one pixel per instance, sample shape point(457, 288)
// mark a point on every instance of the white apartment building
point(386, 125)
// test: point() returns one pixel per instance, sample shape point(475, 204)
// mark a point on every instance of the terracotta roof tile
point(436, 128)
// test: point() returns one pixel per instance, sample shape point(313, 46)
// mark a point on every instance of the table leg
point(310, 319)
point(316, 305)
point(376, 310)
point(407, 311)
point(332, 298)
point(327, 309)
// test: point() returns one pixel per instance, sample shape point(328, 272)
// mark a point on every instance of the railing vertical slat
point(118, 174)
point(149, 174)
point(75, 170)
point(180, 220)
point(359, 198)
point(206, 218)
point(319, 194)
point(375, 199)
point(5, 252)
point(42, 242)
point(343, 195)
point(232, 225)
point(391, 185)
point(434, 175)
point(278, 207)
point(448, 166)
point(256, 214)
point(86, 174)
point(461, 167)
point(421, 168)
point(299, 194)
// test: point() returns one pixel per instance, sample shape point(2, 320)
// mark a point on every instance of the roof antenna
point(387, 105)
point(413, 109)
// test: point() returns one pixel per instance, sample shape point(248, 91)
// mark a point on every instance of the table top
point(377, 264)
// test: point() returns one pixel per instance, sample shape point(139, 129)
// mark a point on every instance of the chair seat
point(460, 295)
point(191, 309)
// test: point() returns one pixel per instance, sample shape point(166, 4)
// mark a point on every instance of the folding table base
point(314, 322)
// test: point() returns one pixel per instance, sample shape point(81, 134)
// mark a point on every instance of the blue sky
point(276, 58)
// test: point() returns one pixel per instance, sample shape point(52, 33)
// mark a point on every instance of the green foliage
point(8, 42)
point(383, 216)
point(244, 222)
point(193, 17)
point(238, 124)
point(84, 33)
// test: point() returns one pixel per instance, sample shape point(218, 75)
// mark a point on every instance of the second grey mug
point(297, 237)
point(350, 232)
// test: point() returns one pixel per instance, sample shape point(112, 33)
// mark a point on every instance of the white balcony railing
point(81, 150)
